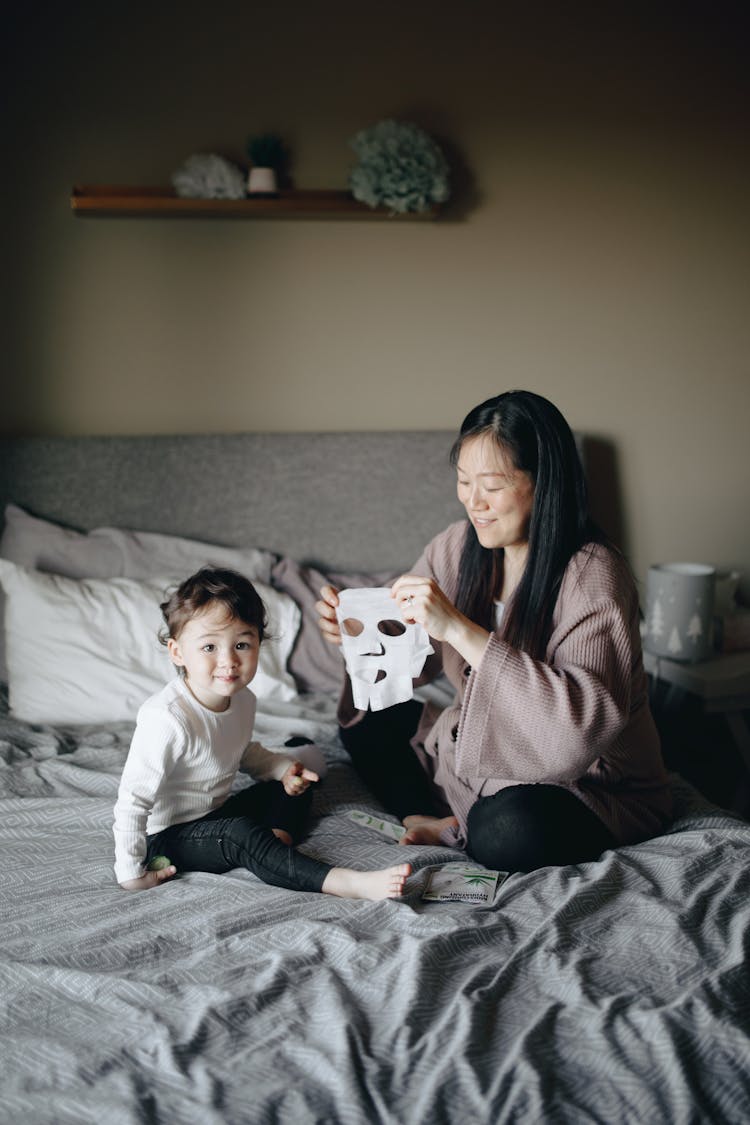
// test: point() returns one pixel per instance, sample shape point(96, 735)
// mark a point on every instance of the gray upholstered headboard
point(366, 500)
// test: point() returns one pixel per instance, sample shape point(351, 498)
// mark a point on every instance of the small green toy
point(159, 862)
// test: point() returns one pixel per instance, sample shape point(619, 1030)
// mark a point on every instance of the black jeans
point(238, 834)
point(521, 828)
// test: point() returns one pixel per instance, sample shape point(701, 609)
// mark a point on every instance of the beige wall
point(599, 254)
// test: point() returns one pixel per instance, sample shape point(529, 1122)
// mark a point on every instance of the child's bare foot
point(425, 829)
point(283, 835)
point(347, 883)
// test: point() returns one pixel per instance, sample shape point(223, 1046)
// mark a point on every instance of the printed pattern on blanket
point(613, 991)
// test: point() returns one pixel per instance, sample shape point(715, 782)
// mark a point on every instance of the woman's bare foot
point(283, 835)
point(347, 883)
point(425, 829)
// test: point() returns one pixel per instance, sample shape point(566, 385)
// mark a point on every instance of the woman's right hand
point(326, 610)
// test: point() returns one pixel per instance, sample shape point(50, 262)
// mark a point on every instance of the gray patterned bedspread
point(612, 992)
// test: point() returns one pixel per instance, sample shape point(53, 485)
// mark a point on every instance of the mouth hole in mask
point(391, 628)
point(381, 675)
point(352, 626)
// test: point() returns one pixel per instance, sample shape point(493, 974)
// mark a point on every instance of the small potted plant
point(267, 155)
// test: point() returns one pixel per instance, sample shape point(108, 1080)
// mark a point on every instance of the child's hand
point(150, 879)
point(297, 779)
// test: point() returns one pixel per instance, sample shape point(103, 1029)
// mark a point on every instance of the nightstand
point(722, 684)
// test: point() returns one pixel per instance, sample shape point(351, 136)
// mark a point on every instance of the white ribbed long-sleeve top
point(181, 764)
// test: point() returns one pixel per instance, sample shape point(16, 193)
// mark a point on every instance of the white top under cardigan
point(182, 761)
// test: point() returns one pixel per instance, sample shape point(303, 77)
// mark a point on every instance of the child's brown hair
point(213, 585)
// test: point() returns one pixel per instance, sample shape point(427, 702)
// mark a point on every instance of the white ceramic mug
point(679, 610)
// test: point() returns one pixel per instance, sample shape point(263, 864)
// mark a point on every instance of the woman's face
point(498, 497)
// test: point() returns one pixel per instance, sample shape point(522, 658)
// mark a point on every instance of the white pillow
point(109, 552)
point(87, 651)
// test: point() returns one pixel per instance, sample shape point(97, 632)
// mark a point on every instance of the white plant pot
point(262, 181)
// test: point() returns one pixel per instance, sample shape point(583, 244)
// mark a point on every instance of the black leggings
point(380, 752)
point(525, 827)
point(521, 828)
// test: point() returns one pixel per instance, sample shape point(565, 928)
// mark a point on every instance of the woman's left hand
point(422, 600)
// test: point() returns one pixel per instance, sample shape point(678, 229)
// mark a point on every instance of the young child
point(189, 742)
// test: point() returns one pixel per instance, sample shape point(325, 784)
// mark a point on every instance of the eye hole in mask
point(352, 627)
point(391, 628)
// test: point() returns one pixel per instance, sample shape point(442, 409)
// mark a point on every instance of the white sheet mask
point(383, 653)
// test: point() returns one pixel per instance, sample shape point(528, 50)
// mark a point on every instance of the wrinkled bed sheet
point(616, 991)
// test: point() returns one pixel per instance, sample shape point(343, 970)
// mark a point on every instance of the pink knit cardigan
point(579, 718)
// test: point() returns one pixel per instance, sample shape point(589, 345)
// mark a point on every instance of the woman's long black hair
point(533, 434)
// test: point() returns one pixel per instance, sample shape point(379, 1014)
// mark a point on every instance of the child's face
point(219, 655)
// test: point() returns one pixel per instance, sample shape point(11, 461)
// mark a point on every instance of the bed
point(614, 991)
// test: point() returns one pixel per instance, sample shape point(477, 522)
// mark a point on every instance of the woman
point(549, 754)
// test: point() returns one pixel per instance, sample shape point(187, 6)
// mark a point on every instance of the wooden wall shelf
point(162, 201)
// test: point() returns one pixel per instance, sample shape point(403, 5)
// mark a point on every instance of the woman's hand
point(297, 779)
point(326, 610)
point(149, 880)
point(422, 600)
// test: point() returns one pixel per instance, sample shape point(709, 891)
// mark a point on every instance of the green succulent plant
point(266, 151)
